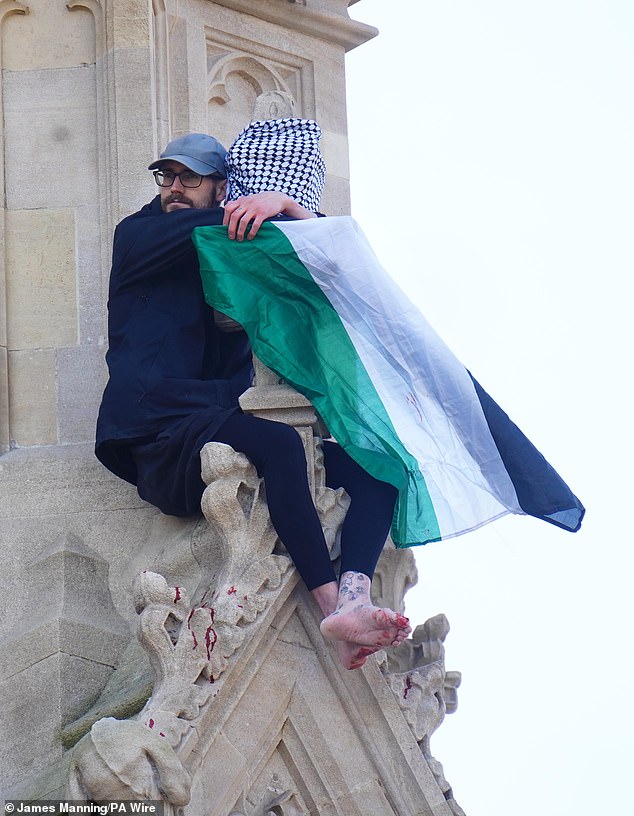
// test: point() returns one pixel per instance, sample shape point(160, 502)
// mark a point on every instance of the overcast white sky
point(492, 149)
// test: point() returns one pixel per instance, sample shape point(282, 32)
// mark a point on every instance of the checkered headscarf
point(277, 154)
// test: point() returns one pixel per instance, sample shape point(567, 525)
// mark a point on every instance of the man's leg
point(278, 455)
point(276, 451)
point(355, 619)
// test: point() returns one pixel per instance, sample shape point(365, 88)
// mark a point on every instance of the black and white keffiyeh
point(277, 154)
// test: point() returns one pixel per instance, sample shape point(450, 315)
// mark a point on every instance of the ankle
point(326, 597)
point(354, 587)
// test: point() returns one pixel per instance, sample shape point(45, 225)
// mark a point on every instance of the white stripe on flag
point(427, 392)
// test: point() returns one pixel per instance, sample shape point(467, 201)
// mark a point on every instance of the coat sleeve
point(156, 244)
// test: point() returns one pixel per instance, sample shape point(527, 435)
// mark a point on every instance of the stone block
point(66, 611)
point(34, 640)
point(68, 582)
point(58, 38)
point(81, 377)
point(48, 784)
point(35, 704)
point(330, 88)
point(131, 28)
point(227, 761)
point(334, 148)
point(124, 695)
point(93, 248)
point(257, 726)
point(49, 492)
point(32, 415)
point(41, 279)
point(39, 483)
point(131, 185)
point(336, 198)
point(50, 133)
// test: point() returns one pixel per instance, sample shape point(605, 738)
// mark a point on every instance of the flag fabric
point(323, 314)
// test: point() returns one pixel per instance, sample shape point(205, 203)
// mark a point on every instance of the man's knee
point(343, 471)
point(285, 442)
point(271, 446)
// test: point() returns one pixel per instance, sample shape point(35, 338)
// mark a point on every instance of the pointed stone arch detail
point(255, 72)
point(239, 71)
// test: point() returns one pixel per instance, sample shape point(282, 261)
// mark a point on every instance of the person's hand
point(244, 216)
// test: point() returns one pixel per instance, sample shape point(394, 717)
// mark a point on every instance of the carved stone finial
point(416, 673)
point(273, 105)
point(395, 574)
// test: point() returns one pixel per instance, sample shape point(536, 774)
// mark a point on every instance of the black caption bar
point(149, 807)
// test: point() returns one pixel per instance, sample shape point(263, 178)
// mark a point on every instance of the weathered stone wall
point(90, 91)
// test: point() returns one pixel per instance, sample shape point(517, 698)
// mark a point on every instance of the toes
point(367, 625)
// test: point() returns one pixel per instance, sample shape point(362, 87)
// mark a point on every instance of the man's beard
point(210, 201)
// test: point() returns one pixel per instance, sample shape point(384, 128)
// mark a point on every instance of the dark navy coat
point(166, 358)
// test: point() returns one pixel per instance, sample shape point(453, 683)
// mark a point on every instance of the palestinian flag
point(322, 313)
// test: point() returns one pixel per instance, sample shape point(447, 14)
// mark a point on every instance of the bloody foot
point(358, 622)
point(366, 625)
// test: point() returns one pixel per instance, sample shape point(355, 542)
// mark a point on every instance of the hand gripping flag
point(323, 314)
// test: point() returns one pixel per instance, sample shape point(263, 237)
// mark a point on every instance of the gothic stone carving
point(190, 645)
point(244, 573)
point(425, 690)
point(239, 71)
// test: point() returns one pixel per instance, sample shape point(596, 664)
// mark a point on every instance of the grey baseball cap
point(201, 153)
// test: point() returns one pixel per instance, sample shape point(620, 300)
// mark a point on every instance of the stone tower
point(90, 92)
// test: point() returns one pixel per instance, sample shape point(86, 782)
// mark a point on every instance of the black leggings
point(277, 452)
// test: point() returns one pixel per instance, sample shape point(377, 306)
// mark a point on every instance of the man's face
point(210, 193)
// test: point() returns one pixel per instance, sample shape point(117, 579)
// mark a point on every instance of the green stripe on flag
point(294, 330)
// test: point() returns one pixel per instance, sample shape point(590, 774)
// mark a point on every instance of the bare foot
point(366, 624)
point(357, 627)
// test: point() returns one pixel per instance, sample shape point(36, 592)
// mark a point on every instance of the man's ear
point(221, 190)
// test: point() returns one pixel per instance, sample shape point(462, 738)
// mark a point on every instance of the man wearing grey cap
point(191, 174)
point(176, 376)
point(168, 362)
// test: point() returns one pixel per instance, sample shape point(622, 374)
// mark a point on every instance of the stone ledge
point(48, 479)
point(321, 24)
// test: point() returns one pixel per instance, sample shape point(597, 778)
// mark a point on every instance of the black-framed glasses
point(165, 178)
